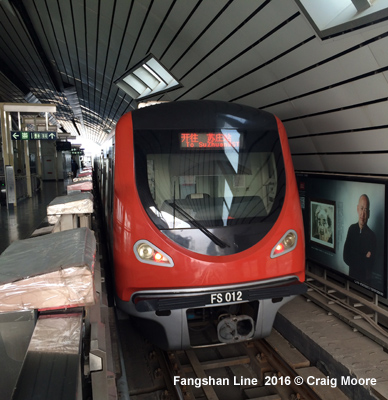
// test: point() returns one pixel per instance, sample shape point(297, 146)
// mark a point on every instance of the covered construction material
point(76, 203)
point(84, 173)
point(51, 271)
point(51, 368)
point(83, 178)
point(86, 186)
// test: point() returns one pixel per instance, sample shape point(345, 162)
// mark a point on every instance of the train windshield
point(210, 180)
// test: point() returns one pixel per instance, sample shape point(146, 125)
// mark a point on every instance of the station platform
point(347, 358)
point(19, 222)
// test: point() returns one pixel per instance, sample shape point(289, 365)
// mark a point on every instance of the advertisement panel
point(345, 225)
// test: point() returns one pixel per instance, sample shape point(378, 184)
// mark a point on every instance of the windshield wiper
point(198, 225)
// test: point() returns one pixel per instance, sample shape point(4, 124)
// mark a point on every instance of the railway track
point(261, 370)
point(268, 369)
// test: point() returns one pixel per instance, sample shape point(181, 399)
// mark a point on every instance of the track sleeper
point(197, 367)
point(325, 392)
point(227, 362)
point(262, 393)
point(290, 355)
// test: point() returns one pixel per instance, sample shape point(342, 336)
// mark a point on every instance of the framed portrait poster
point(322, 223)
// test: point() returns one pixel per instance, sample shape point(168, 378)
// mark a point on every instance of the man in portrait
point(360, 245)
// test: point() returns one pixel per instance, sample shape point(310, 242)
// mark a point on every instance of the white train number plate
point(226, 297)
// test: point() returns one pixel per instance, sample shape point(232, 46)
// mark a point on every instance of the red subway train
point(201, 201)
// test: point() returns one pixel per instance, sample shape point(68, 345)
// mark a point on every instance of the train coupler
point(235, 328)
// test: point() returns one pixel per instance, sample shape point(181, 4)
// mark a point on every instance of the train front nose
point(235, 328)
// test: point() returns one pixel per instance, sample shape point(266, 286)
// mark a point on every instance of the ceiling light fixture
point(72, 98)
point(147, 78)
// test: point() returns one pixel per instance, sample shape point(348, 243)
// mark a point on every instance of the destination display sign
point(30, 135)
point(211, 140)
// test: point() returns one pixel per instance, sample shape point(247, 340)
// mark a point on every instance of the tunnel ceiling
point(331, 93)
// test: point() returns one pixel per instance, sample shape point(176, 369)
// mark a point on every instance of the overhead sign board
point(29, 135)
point(63, 146)
point(77, 152)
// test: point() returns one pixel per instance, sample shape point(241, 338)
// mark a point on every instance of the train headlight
point(148, 253)
point(289, 240)
point(286, 244)
point(145, 251)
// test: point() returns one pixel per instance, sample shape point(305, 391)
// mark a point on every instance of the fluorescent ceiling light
point(146, 79)
point(335, 17)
